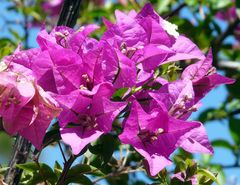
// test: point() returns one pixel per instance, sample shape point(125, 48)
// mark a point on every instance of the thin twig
point(115, 174)
point(20, 154)
point(26, 30)
point(175, 11)
point(40, 169)
point(235, 112)
point(233, 65)
point(125, 158)
point(135, 4)
point(1, 125)
point(230, 29)
point(66, 168)
point(62, 152)
point(216, 44)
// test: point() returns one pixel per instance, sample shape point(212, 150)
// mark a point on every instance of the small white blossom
point(170, 28)
point(3, 66)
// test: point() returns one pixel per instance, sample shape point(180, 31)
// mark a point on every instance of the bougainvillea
point(230, 15)
point(77, 79)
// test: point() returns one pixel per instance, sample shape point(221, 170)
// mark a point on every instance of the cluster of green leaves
point(117, 164)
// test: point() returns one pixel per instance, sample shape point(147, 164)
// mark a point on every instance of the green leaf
point(180, 163)
point(212, 114)
point(104, 148)
point(216, 4)
point(162, 6)
point(5, 144)
point(234, 88)
point(81, 179)
point(7, 47)
point(84, 169)
point(238, 8)
point(119, 93)
point(40, 174)
point(3, 170)
point(221, 175)
point(172, 72)
point(47, 174)
point(208, 174)
point(107, 147)
point(57, 169)
point(205, 159)
point(96, 149)
point(15, 34)
point(205, 181)
point(51, 136)
point(25, 178)
point(191, 169)
point(139, 183)
point(234, 125)
point(163, 176)
point(36, 15)
point(176, 181)
point(191, 2)
point(31, 166)
point(222, 143)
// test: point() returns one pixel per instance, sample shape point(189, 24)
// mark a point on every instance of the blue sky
point(213, 99)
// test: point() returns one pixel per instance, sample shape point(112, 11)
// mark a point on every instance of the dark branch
point(26, 37)
point(66, 168)
point(229, 65)
point(62, 152)
point(175, 11)
point(1, 125)
point(230, 29)
point(234, 112)
point(21, 151)
point(217, 43)
point(69, 13)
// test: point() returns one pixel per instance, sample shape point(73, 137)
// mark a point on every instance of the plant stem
point(67, 166)
point(175, 11)
point(40, 170)
point(20, 154)
point(115, 174)
point(229, 65)
point(26, 30)
point(1, 125)
point(62, 152)
point(216, 44)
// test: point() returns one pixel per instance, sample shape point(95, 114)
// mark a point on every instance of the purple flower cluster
point(73, 77)
point(52, 6)
point(230, 15)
